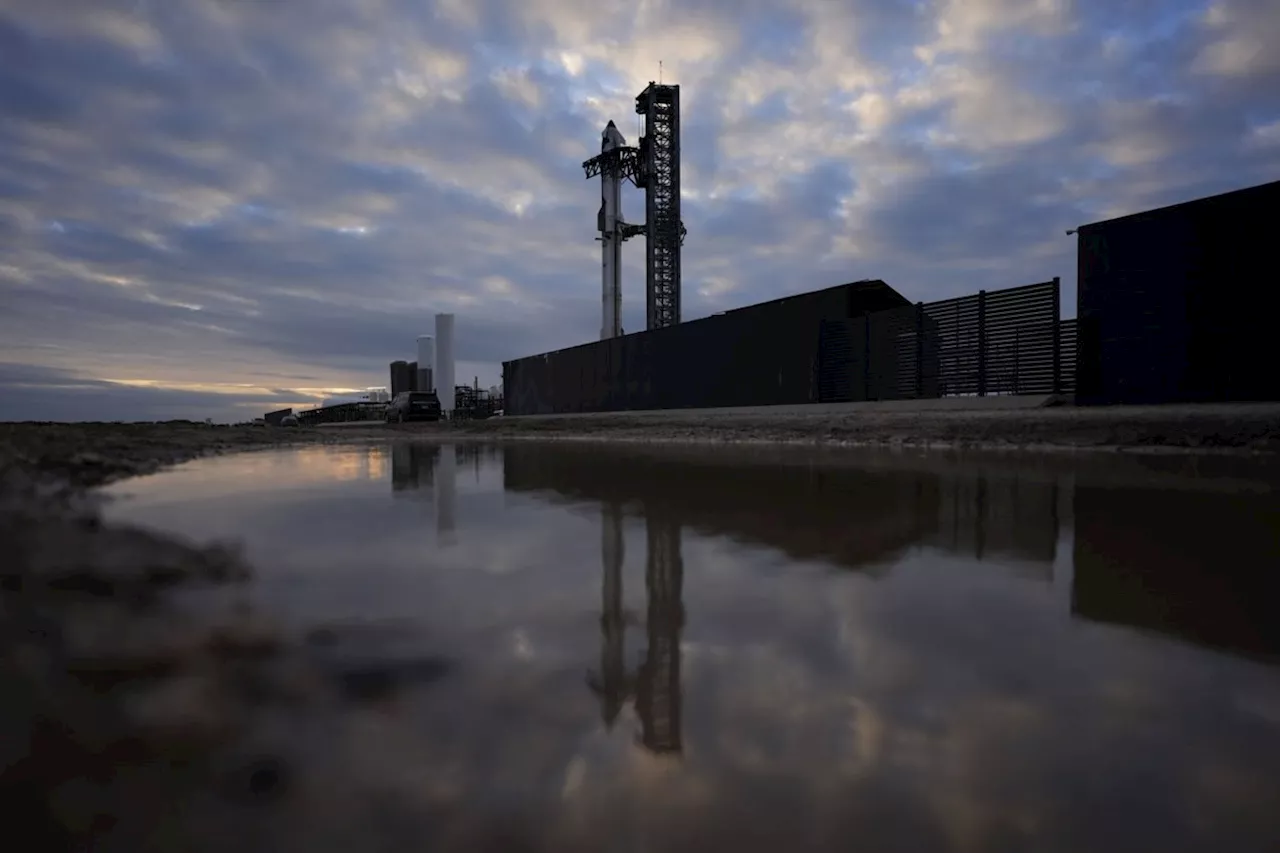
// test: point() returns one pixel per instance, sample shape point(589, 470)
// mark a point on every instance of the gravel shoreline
point(1253, 428)
point(87, 455)
point(128, 715)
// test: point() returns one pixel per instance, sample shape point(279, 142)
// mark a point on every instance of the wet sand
point(120, 702)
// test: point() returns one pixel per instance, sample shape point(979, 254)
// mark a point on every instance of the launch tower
point(654, 167)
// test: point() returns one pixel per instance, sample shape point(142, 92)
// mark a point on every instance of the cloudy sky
point(212, 208)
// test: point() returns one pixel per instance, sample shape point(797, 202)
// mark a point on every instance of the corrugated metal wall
point(1179, 304)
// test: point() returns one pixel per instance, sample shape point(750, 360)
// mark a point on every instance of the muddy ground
point(87, 455)
point(132, 721)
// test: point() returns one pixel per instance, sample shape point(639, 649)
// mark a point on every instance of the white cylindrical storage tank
point(426, 361)
point(444, 361)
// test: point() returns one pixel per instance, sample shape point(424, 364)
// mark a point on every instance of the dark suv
point(414, 406)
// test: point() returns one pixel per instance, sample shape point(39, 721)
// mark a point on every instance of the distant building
point(274, 418)
point(369, 395)
point(402, 376)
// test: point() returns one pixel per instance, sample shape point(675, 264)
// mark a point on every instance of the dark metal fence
point(1067, 350)
point(988, 343)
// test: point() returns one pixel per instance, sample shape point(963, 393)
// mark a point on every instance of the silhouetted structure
point(659, 177)
point(1178, 304)
point(401, 377)
point(860, 341)
point(343, 413)
point(759, 355)
point(473, 403)
point(274, 418)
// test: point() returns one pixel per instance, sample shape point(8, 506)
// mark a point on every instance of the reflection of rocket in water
point(656, 687)
point(613, 684)
point(446, 483)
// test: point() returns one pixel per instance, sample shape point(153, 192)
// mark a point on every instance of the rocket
point(610, 237)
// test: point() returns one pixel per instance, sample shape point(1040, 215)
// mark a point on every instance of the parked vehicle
point(289, 421)
point(414, 406)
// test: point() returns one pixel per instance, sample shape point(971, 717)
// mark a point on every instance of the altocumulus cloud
point(213, 207)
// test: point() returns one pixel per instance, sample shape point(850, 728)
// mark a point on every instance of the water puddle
point(692, 650)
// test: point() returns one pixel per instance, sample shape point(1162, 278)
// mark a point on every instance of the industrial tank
point(444, 361)
point(426, 361)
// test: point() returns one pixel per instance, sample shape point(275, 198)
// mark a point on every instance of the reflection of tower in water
point(656, 685)
point(446, 484)
point(658, 688)
point(428, 472)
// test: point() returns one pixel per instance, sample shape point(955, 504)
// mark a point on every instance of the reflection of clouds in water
point(902, 687)
point(976, 762)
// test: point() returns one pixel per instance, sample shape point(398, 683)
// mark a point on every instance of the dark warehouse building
point(763, 354)
point(849, 343)
point(1178, 304)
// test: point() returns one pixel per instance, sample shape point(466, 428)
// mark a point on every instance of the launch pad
point(654, 166)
